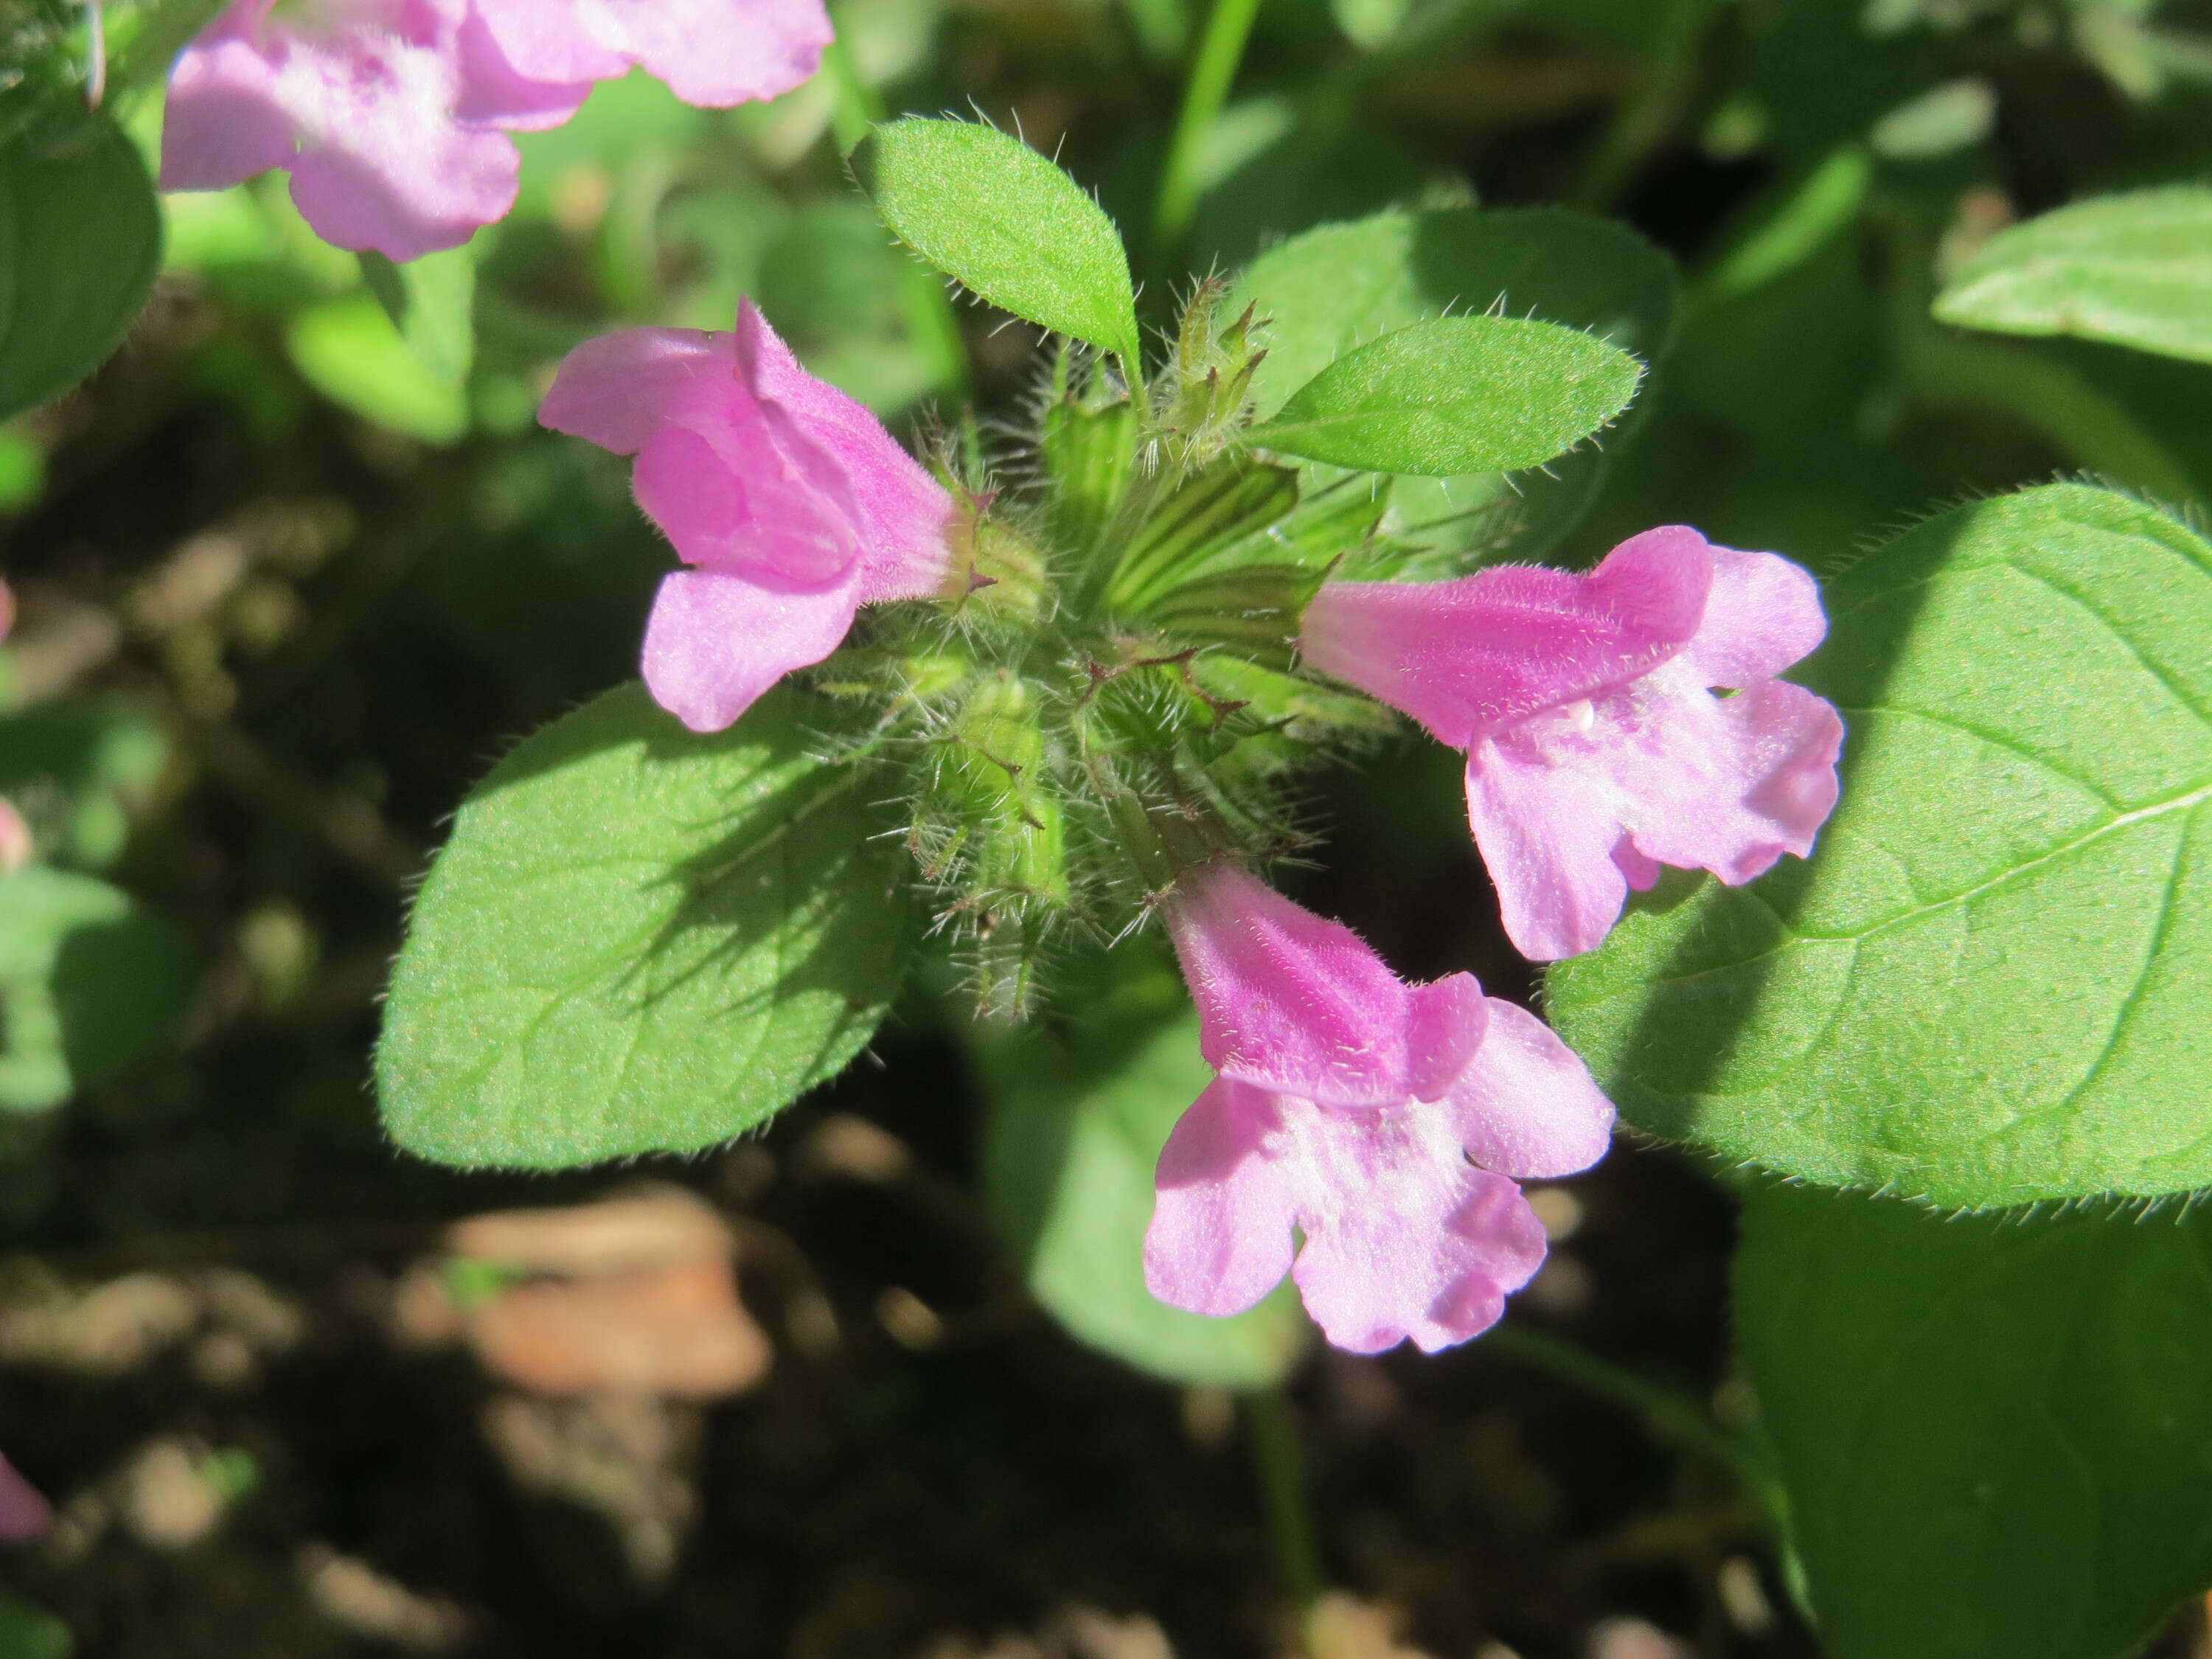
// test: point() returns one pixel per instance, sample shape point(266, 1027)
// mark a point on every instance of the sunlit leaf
point(2134, 270)
point(638, 940)
point(1013, 228)
point(1456, 395)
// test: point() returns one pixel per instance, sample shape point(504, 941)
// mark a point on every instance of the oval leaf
point(80, 243)
point(2133, 269)
point(1012, 227)
point(1326, 291)
point(1456, 394)
point(1993, 1432)
point(1988, 986)
point(640, 941)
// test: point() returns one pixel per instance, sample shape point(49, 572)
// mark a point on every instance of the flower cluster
point(392, 115)
point(1365, 1136)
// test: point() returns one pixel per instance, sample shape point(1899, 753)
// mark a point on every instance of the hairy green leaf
point(1994, 1432)
point(1988, 986)
point(1456, 395)
point(638, 940)
point(1076, 1127)
point(88, 981)
point(80, 242)
point(1013, 228)
point(2134, 270)
point(1335, 287)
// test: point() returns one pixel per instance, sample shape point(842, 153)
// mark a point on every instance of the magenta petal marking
point(1288, 1000)
point(715, 643)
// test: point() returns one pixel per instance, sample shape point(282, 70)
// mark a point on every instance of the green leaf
point(348, 351)
point(2134, 270)
point(76, 767)
point(1994, 1433)
point(30, 1632)
point(1012, 227)
point(88, 981)
point(1988, 986)
point(1341, 285)
point(432, 302)
point(80, 242)
point(1076, 1127)
point(638, 940)
point(1456, 395)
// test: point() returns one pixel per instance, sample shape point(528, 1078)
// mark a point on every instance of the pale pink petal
point(1220, 1234)
point(720, 52)
point(1568, 811)
point(1528, 1107)
point(23, 1513)
point(715, 643)
point(712, 52)
point(1472, 656)
point(494, 94)
point(223, 122)
point(382, 163)
point(904, 511)
point(1548, 835)
point(1447, 1019)
point(1725, 784)
point(730, 501)
point(554, 41)
point(1764, 614)
point(1288, 1000)
point(1403, 1236)
point(618, 390)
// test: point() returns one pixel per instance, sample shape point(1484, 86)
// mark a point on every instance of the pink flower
point(393, 114)
point(23, 1514)
point(1386, 1122)
point(1597, 748)
point(791, 502)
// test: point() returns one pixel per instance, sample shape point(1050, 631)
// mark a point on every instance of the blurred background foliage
point(298, 564)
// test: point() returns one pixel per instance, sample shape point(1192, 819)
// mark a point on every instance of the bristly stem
point(1279, 1461)
point(854, 108)
point(1228, 26)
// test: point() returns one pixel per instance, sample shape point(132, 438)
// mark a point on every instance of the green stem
point(1669, 1414)
point(1228, 26)
point(854, 108)
point(1279, 1462)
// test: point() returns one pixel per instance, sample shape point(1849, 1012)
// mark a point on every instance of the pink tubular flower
point(23, 1513)
point(393, 114)
point(1386, 1122)
point(791, 502)
point(1596, 749)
